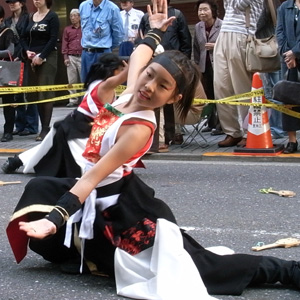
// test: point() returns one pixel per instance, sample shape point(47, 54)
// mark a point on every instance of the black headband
point(173, 69)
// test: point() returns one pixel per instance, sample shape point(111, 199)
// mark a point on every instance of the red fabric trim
point(139, 163)
point(18, 239)
point(95, 97)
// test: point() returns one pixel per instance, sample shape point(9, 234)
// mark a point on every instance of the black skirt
point(228, 274)
point(59, 162)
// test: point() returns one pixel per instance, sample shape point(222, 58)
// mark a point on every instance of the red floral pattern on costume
point(135, 239)
point(105, 118)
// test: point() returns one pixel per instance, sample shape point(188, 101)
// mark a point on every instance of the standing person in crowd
point(6, 51)
point(60, 153)
point(71, 50)
point(266, 28)
point(232, 77)
point(131, 20)
point(102, 31)
point(124, 230)
point(16, 23)
point(39, 40)
point(177, 37)
point(288, 37)
point(206, 33)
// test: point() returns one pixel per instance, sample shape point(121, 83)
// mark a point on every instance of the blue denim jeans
point(275, 119)
point(26, 117)
point(87, 60)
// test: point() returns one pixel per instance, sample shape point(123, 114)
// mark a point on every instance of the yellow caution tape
point(48, 88)
point(44, 101)
point(232, 100)
point(43, 88)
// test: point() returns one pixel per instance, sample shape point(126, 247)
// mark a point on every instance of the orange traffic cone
point(259, 139)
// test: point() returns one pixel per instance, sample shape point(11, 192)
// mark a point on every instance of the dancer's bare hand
point(158, 16)
point(38, 229)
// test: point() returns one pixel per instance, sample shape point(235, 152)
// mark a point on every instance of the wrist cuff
point(153, 38)
point(66, 206)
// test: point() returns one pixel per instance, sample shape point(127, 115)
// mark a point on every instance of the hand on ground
point(38, 229)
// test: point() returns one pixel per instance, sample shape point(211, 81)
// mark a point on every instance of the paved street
point(195, 151)
point(218, 202)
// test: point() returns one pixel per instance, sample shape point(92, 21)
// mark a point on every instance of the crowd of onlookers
point(99, 26)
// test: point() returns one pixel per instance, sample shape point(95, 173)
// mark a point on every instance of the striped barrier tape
point(232, 100)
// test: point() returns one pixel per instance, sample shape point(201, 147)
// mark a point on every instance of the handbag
point(262, 55)
point(288, 89)
point(11, 72)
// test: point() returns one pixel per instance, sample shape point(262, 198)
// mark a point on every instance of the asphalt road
point(219, 203)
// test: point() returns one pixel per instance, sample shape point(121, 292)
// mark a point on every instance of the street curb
point(11, 151)
point(213, 156)
point(208, 156)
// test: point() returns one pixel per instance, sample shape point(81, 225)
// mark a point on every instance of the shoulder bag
point(288, 89)
point(262, 55)
point(11, 72)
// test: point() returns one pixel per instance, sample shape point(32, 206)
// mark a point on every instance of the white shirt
point(134, 19)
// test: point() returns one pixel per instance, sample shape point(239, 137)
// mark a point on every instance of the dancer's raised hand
point(158, 16)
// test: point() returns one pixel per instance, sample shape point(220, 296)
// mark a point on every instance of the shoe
point(42, 134)
point(207, 129)
point(163, 148)
point(217, 132)
point(16, 132)
point(242, 143)
point(26, 132)
point(178, 139)
point(229, 141)
point(12, 164)
point(72, 266)
point(290, 148)
point(71, 104)
point(150, 152)
point(6, 137)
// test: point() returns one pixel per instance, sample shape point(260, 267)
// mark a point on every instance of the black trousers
point(9, 113)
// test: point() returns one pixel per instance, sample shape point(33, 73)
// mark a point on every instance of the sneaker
point(72, 266)
point(163, 148)
point(178, 139)
point(71, 104)
point(12, 164)
point(6, 137)
point(217, 132)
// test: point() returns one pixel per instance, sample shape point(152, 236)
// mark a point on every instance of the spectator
point(206, 33)
point(102, 31)
point(131, 20)
point(288, 36)
point(265, 28)
point(16, 23)
point(177, 37)
point(71, 50)
point(39, 40)
point(6, 50)
point(232, 77)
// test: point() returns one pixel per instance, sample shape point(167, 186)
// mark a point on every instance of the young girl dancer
point(124, 230)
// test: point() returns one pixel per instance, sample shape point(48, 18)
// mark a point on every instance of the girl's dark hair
point(104, 68)
point(48, 3)
point(190, 75)
point(2, 12)
point(213, 6)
